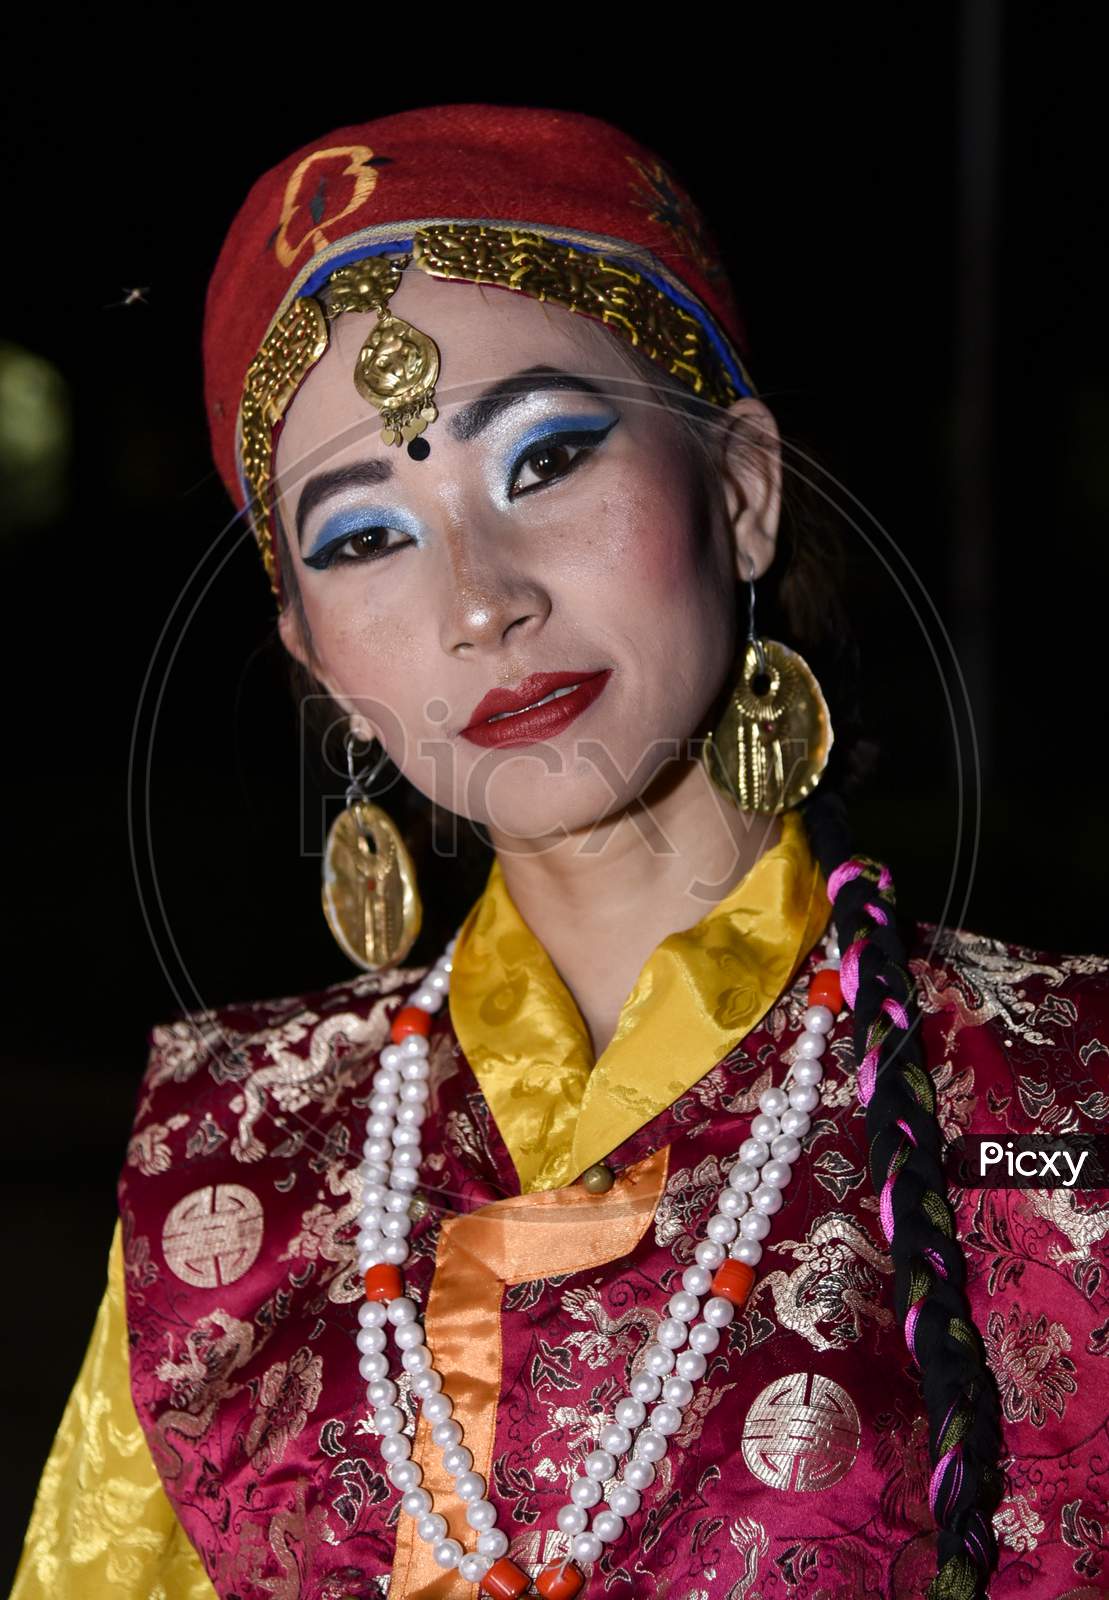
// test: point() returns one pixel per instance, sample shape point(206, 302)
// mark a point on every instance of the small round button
point(598, 1179)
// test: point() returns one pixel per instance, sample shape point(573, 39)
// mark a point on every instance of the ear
point(291, 631)
point(292, 636)
point(751, 480)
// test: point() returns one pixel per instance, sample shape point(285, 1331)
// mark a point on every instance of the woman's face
point(551, 529)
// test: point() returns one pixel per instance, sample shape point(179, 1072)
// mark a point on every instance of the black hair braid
point(906, 1169)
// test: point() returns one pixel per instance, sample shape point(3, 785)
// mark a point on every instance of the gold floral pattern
point(1027, 1354)
point(287, 1395)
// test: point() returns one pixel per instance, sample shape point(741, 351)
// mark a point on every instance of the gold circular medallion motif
point(396, 371)
point(396, 363)
point(213, 1236)
point(772, 743)
point(801, 1433)
point(369, 889)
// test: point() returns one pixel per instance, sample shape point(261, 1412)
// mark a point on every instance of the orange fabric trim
point(478, 1256)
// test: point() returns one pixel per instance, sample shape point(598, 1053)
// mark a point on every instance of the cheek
point(363, 651)
point(665, 595)
point(656, 554)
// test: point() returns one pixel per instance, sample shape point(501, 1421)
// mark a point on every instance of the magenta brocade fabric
point(800, 1470)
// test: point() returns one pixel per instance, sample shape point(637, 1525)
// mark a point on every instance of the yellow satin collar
point(701, 991)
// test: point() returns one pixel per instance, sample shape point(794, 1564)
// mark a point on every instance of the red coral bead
point(384, 1282)
point(733, 1281)
point(825, 990)
point(504, 1580)
point(560, 1582)
point(410, 1019)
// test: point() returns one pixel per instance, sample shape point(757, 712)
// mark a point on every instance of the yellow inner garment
point(701, 991)
point(102, 1527)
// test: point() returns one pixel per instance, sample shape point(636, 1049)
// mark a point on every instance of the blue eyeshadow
point(353, 520)
point(344, 523)
point(590, 423)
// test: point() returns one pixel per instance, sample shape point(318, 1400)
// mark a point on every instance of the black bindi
point(419, 449)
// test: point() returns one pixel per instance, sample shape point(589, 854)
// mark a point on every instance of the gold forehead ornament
point(398, 365)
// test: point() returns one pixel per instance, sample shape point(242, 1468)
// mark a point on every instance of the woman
point(608, 1252)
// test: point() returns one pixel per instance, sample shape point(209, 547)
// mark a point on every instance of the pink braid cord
point(868, 1067)
point(893, 1008)
point(868, 1077)
point(953, 1457)
point(937, 1261)
point(947, 1420)
point(849, 972)
point(885, 1209)
point(858, 867)
point(910, 1329)
point(885, 1203)
point(976, 1546)
point(846, 872)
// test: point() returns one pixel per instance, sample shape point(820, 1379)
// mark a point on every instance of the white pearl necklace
point(741, 1221)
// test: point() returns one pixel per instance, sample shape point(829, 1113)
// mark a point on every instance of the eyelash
point(586, 442)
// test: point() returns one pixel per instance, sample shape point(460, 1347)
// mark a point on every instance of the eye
point(364, 544)
point(557, 457)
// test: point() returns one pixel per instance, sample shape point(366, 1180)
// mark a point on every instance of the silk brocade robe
point(217, 1440)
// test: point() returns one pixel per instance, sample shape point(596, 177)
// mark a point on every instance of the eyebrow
point(466, 424)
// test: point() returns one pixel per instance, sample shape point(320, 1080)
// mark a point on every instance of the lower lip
point(544, 722)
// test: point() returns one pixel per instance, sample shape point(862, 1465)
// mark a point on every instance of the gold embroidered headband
point(398, 365)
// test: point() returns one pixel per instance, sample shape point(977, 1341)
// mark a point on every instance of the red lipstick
point(527, 726)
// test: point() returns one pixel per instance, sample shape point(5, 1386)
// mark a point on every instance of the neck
point(648, 871)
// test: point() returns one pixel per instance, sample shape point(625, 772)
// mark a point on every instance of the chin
point(547, 808)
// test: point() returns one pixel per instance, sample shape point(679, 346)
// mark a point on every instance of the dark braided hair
point(906, 1169)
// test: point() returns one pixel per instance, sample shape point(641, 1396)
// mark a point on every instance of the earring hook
point(359, 781)
point(752, 637)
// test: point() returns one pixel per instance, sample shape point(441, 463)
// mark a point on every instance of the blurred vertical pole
point(972, 564)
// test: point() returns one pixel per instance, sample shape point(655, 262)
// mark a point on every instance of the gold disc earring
point(772, 742)
point(370, 898)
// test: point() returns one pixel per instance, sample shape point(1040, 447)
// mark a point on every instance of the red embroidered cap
point(362, 189)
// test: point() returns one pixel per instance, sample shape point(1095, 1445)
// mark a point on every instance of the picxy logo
point(1028, 1161)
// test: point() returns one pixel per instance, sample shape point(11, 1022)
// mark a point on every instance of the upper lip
point(525, 694)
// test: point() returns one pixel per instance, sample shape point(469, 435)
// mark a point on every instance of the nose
point(488, 602)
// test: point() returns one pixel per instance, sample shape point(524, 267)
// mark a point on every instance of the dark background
point(911, 203)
